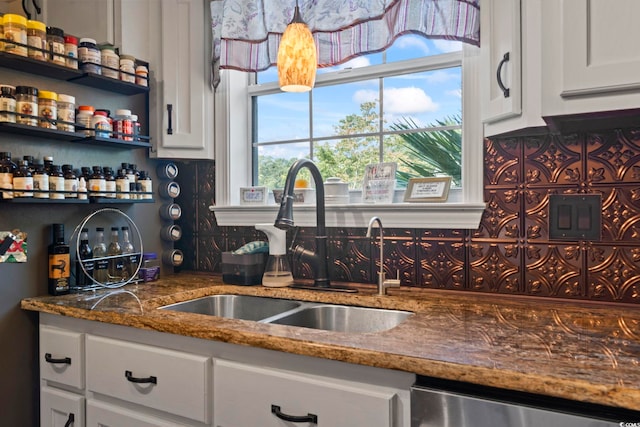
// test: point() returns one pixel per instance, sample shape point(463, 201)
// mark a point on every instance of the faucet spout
point(383, 284)
point(284, 220)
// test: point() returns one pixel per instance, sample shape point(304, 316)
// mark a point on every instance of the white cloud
point(457, 93)
point(447, 45)
point(405, 100)
point(412, 42)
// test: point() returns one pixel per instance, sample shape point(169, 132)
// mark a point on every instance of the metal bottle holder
point(136, 240)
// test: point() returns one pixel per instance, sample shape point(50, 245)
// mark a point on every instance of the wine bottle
point(59, 262)
point(84, 259)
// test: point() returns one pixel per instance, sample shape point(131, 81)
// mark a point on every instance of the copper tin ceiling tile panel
point(494, 267)
point(554, 270)
point(442, 264)
point(613, 273)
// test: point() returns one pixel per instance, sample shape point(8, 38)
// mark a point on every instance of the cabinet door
point(183, 112)
point(60, 408)
point(93, 19)
point(501, 59)
point(100, 414)
point(600, 50)
point(246, 395)
point(62, 356)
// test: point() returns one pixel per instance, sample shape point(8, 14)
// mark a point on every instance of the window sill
point(395, 215)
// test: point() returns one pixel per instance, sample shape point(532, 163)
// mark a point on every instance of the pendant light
point(297, 61)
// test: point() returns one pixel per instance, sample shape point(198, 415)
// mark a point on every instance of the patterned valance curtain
point(246, 33)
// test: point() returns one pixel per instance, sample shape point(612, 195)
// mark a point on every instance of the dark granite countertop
point(579, 351)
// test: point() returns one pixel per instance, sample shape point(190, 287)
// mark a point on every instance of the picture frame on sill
point(428, 189)
point(250, 196)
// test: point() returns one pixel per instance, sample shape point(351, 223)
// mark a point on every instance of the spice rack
point(59, 72)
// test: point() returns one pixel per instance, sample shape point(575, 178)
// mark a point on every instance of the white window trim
point(233, 168)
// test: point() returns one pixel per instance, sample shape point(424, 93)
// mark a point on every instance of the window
point(353, 117)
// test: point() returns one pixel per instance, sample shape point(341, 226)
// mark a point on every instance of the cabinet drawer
point(171, 381)
point(247, 396)
point(62, 356)
point(59, 408)
point(100, 414)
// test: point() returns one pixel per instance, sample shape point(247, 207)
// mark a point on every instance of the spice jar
point(26, 105)
point(37, 40)
point(110, 61)
point(55, 42)
point(123, 125)
point(142, 75)
point(127, 70)
point(71, 51)
point(100, 124)
point(66, 112)
point(89, 56)
point(47, 109)
point(83, 119)
point(15, 30)
point(7, 103)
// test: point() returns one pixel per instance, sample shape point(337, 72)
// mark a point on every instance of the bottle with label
point(70, 182)
point(97, 183)
point(40, 182)
point(101, 266)
point(6, 181)
point(59, 262)
point(84, 259)
point(7, 103)
point(146, 184)
point(110, 182)
point(131, 261)
point(48, 161)
point(116, 264)
point(122, 185)
point(23, 181)
point(56, 183)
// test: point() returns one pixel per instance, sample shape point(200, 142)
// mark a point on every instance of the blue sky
point(424, 97)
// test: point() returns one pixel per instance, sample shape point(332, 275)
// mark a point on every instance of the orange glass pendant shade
point(297, 61)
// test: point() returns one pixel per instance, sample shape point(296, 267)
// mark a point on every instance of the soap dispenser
point(277, 273)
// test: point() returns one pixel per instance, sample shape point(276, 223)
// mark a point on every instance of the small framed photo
point(430, 189)
point(253, 195)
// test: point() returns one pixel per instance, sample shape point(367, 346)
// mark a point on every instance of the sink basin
point(340, 318)
point(235, 306)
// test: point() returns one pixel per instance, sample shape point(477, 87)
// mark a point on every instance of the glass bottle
point(122, 185)
point(147, 186)
point(101, 266)
point(97, 183)
point(116, 264)
point(5, 159)
point(6, 181)
point(109, 182)
point(56, 183)
point(48, 161)
point(70, 182)
point(84, 259)
point(130, 261)
point(59, 262)
point(40, 182)
point(23, 181)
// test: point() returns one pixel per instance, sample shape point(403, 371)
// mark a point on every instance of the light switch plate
point(575, 217)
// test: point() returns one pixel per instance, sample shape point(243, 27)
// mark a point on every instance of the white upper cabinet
point(592, 63)
point(92, 19)
point(182, 104)
point(510, 50)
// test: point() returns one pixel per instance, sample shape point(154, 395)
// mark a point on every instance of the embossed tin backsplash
point(510, 253)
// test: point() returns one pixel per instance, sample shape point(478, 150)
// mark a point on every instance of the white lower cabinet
point(246, 395)
point(100, 414)
point(130, 377)
point(59, 408)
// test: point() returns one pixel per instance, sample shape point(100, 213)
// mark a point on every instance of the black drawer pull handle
point(309, 418)
point(505, 90)
point(65, 360)
point(70, 420)
point(131, 378)
point(169, 116)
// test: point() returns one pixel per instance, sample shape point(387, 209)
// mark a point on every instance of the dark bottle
point(23, 181)
point(84, 259)
point(56, 182)
point(116, 264)
point(97, 183)
point(5, 159)
point(59, 262)
point(48, 161)
point(101, 265)
point(40, 182)
point(70, 182)
point(30, 163)
point(109, 182)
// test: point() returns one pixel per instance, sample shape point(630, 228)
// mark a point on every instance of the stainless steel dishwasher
point(440, 406)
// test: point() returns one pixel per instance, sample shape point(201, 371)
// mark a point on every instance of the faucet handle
point(393, 283)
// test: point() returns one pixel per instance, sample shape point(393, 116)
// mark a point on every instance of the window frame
point(463, 209)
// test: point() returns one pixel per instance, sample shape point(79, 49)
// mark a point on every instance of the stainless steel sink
point(340, 318)
point(244, 307)
point(329, 317)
